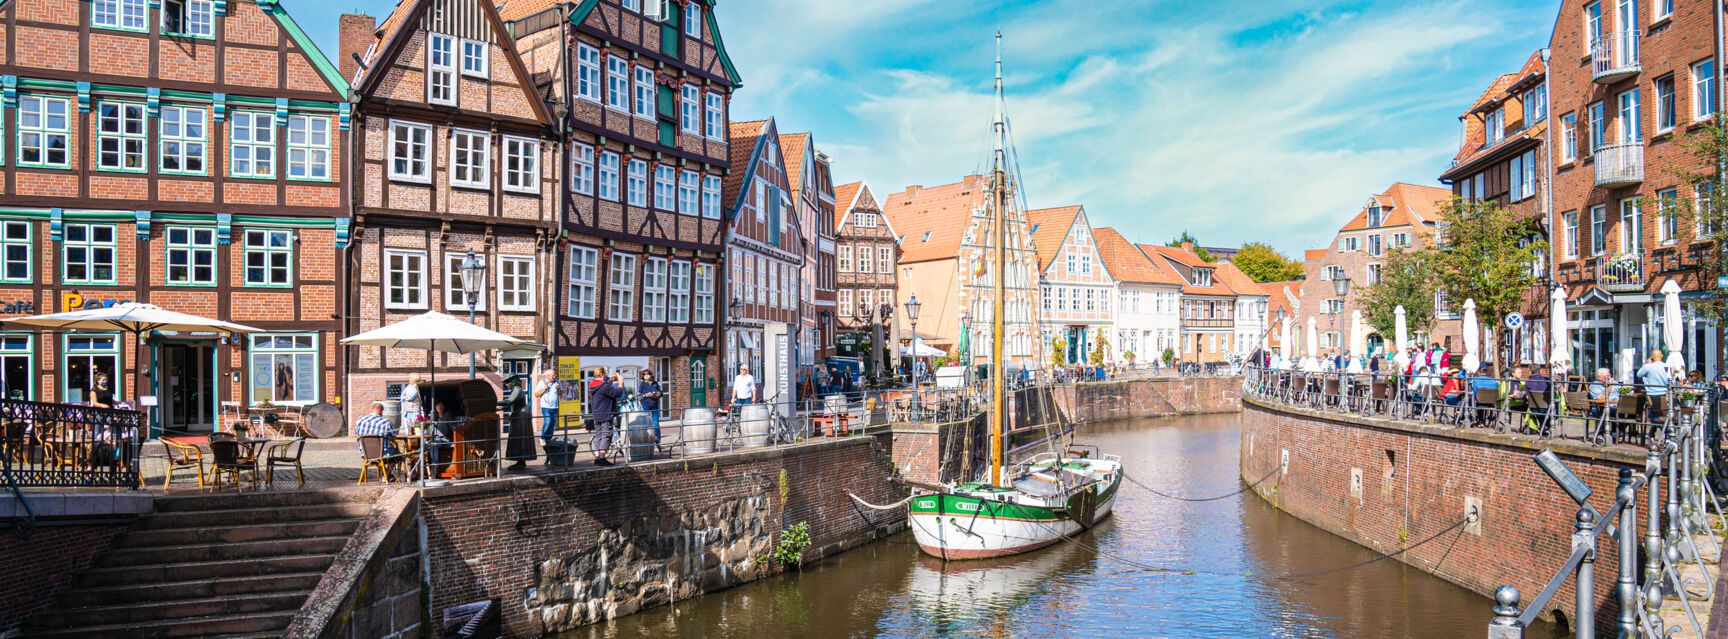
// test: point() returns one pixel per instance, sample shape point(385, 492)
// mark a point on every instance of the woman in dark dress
point(520, 447)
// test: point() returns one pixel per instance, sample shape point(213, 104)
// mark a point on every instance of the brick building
point(1211, 304)
point(1075, 287)
point(1147, 318)
point(812, 189)
point(458, 160)
point(867, 252)
point(640, 92)
point(1503, 159)
point(764, 245)
point(1401, 217)
point(191, 155)
point(1629, 82)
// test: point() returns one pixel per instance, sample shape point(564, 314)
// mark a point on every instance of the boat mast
point(999, 192)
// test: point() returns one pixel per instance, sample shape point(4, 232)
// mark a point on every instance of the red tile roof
point(1049, 227)
point(792, 149)
point(518, 9)
point(1313, 255)
point(1128, 264)
point(1180, 256)
point(1412, 204)
point(934, 220)
point(742, 136)
point(1237, 281)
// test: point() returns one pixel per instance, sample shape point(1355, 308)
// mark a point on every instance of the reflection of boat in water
point(985, 586)
point(1041, 500)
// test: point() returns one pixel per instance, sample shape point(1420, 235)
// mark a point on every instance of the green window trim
point(189, 7)
point(123, 117)
point(120, 16)
point(309, 148)
point(262, 243)
point(8, 242)
point(91, 246)
point(189, 242)
point(29, 352)
point(46, 106)
point(118, 351)
point(183, 140)
point(257, 153)
point(264, 345)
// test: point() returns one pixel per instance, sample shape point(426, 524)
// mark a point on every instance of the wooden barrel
point(753, 425)
point(698, 431)
point(639, 431)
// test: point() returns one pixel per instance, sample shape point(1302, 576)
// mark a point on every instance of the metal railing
point(1614, 57)
point(1619, 164)
point(70, 445)
point(1623, 274)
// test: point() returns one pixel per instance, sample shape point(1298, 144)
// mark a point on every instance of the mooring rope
point(1461, 523)
point(1155, 491)
point(871, 506)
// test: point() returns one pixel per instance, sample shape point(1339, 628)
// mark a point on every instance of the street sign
point(1514, 320)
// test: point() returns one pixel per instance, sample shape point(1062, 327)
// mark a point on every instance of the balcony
point(1619, 164)
point(1614, 57)
point(1623, 274)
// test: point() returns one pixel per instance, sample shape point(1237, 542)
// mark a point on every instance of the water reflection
point(1227, 559)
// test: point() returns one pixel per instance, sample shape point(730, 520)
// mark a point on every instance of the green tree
point(1485, 253)
point(1099, 347)
point(1262, 263)
point(1405, 279)
point(1708, 215)
point(1058, 351)
point(1189, 237)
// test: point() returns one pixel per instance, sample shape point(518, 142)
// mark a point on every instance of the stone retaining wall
point(1155, 397)
point(1384, 484)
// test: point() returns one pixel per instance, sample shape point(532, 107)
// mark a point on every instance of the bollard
point(1505, 624)
point(1627, 584)
point(1653, 531)
point(1585, 582)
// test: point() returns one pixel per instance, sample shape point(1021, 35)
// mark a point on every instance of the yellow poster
point(570, 385)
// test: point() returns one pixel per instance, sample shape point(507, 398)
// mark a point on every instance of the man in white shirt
point(743, 386)
point(546, 397)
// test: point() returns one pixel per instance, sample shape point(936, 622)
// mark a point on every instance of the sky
point(1237, 121)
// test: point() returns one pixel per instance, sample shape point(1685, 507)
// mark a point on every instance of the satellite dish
point(323, 420)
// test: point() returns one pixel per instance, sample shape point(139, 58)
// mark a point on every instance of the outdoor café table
point(408, 447)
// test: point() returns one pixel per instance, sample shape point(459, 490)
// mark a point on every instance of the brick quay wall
point(1385, 484)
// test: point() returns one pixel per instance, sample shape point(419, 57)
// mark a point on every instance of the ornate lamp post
point(912, 316)
point(733, 309)
point(473, 278)
point(1341, 286)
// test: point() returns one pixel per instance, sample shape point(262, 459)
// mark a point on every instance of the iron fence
point(70, 445)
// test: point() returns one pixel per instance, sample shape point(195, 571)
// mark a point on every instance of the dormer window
point(1375, 215)
point(1496, 125)
point(1203, 277)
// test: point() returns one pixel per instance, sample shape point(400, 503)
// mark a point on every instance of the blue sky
point(1239, 120)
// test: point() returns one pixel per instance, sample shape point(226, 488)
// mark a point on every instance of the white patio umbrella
point(1284, 343)
point(1401, 330)
point(919, 349)
point(1560, 351)
point(1313, 339)
point(1673, 331)
point(137, 319)
point(435, 331)
point(1472, 336)
point(1358, 336)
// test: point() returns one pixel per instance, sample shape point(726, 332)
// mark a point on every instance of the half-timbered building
point(459, 166)
point(189, 154)
point(764, 252)
point(813, 198)
point(1074, 284)
point(640, 88)
point(867, 254)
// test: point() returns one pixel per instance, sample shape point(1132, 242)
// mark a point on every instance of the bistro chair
point(1538, 403)
point(374, 455)
point(229, 461)
point(1487, 402)
point(181, 455)
point(287, 454)
point(1626, 416)
point(15, 437)
point(1379, 393)
point(1657, 407)
point(1331, 392)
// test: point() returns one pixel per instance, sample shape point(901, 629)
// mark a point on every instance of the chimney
point(1188, 246)
point(358, 32)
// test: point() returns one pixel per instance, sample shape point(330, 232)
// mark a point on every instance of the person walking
point(603, 405)
point(648, 398)
point(743, 386)
point(546, 397)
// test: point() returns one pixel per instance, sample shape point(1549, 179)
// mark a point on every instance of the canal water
point(1230, 561)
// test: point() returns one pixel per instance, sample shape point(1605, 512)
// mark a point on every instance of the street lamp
point(732, 312)
point(473, 277)
point(912, 316)
point(1341, 286)
point(966, 334)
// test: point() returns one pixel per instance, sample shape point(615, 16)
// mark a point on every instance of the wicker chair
point(287, 454)
point(227, 460)
point(375, 455)
point(182, 456)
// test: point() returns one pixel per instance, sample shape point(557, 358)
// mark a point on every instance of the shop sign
point(19, 307)
point(77, 302)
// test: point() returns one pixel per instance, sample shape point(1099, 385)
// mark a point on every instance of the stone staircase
point(235, 565)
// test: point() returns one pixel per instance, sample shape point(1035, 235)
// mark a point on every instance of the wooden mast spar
point(999, 191)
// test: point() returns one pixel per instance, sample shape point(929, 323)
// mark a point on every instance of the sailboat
point(1035, 502)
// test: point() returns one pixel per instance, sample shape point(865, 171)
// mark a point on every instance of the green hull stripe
point(986, 509)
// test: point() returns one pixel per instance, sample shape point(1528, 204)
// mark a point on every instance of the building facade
point(764, 245)
point(812, 190)
point(1629, 82)
point(459, 161)
point(867, 265)
point(1147, 318)
point(1403, 217)
point(192, 155)
point(1208, 305)
point(1076, 290)
point(641, 92)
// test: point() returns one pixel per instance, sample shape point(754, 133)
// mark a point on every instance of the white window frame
point(654, 274)
point(178, 143)
point(689, 189)
point(617, 83)
point(679, 291)
point(192, 248)
point(588, 78)
point(1569, 137)
point(643, 104)
point(843, 302)
point(410, 294)
point(265, 346)
point(308, 147)
point(1631, 226)
point(1704, 96)
point(867, 265)
point(690, 109)
point(441, 76)
point(1667, 225)
point(581, 168)
point(121, 137)
point(1667, 113)
point(636, 191)
point(693, 20)
point(470, 159)
point(1630, 116)
point(259, 142)
point(417, 169)
point(482, 60)
point(711, 197)
point(197, 19)
point(713, 124)
point(1599, 229)
point(124, 15)
point(665, 188)
point(85, 239)
point(703, 312)
point(608, 170)
point(455, 298)
point(884, 255)
point(583, 281)
point(521, 164)
point(843, 258)
point(1570, 220)
point(37, 115)
point(1598, 125)
point(621, 288)
point(515, 282)
point(1661, 9)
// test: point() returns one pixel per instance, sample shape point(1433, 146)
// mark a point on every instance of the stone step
point(217, 552)
point(83, 597)
point(262, 499)
point(231, 568)
point(232, 534)
point(222, 607)
point(250, 515)
point(247, 625)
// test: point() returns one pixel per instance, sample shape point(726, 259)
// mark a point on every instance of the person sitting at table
point(375, 423)
point(1452, 390)
point(443, 429)
point(1600, 392)
point(1517, 397)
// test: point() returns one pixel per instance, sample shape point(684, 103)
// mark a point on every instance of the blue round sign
point(1514, 319)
